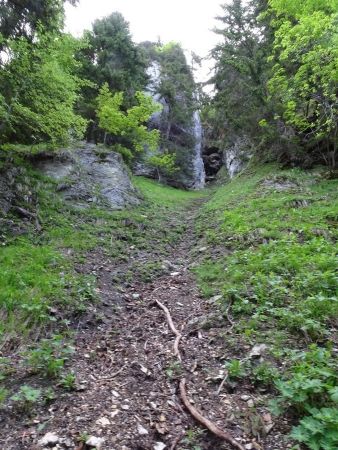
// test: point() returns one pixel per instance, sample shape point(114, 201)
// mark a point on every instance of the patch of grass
point(159, 194)
point(277, 275)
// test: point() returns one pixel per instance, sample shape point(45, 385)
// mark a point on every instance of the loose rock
point(49, 439)
point(95, 442)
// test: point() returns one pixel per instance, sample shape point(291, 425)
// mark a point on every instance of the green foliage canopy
point(39, 89)
point(241, 71)
point(130, 124)
point(305, 72)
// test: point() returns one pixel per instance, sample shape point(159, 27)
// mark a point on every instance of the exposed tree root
point(204, 421)
point(173, 329)
point(183, 393)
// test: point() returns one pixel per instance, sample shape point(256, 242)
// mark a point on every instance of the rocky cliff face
point(84, 177)
point(236, 155)
point(182, 137)
point(233, 155)
point(89, 176)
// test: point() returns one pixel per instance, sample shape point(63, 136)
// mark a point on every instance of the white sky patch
point(189, 22)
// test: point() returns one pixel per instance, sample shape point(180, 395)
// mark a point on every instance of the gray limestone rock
point(88, 176)
point(237, 155)
point(182, 139)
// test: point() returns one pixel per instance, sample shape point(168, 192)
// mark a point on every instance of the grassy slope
point(37, 269)
point(273, 263)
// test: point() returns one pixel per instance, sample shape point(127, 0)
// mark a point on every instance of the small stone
point(125, 407)
point(267, 417)
point(67, 443)
point(250, 403)
point(268, 427)
point(49, 439)
point(159, 446)
point(175, 274)
point(141, 430)
point(245, 398)
point(258, 350)
point(103, 421)
point(95, 442)
point(136, 296)
point(248, 446)
point(145, 370)
point(202, 249)
point(215, 298)
point(115, 394)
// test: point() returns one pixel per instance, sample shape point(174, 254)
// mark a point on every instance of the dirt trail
point(128, 375)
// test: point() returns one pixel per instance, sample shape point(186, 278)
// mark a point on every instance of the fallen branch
point(204, 421)
point(222, 384)
point(22, 212)
point(112, 375)
point(227, 313)
point(173, 329)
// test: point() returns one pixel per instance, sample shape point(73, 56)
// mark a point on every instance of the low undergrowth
point(275, 274)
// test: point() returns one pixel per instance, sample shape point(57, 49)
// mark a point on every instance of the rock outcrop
point(90, 175)
point(237, 155)
point(182, 137)
point(228, 158)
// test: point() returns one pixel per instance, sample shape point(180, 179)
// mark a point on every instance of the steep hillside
point(91, 300)
point(270, 239)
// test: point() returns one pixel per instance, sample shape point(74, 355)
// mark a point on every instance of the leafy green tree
point(38, 90)
point(110, 57)
point(129, 125)
point(164, 163)
point(304, 78)
point(117, 58)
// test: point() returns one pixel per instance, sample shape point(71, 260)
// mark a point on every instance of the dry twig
point(173, 329)
point(113, 375)
point(204, 421)
point(222, 384)
point(227, 313)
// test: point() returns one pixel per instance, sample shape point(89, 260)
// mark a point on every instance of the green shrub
point(68, 381)
point(236, 369)
point(312, 390)
point(3, 395)
point(319, 430)
point(50, 357)
point(27, 397)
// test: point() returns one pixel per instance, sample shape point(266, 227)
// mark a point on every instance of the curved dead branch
point(173, 329)
point(204, 421)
